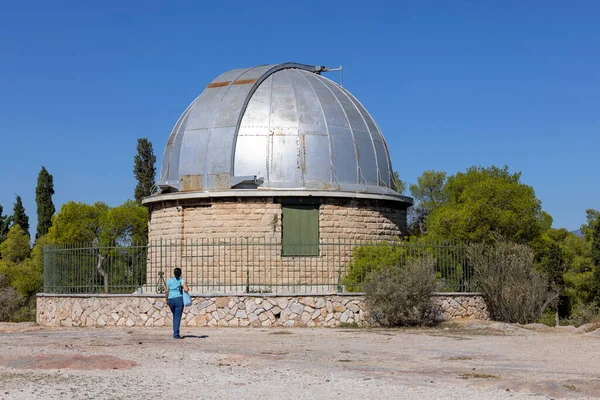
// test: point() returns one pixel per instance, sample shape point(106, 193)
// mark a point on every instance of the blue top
point(173, 285)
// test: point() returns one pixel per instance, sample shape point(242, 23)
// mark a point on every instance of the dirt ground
point(451, 361)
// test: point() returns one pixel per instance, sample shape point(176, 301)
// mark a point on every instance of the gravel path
point(452, 361)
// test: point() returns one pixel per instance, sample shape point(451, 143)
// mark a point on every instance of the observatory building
point(279, 155)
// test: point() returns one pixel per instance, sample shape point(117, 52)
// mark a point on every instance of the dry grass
point(274, 353)
point(472, 375)
point(593, 326)
point(572, 388)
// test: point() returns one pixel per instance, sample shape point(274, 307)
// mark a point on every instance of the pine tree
point(19, 216)
point(43, 199)
point(144, 169)
point(397, 184)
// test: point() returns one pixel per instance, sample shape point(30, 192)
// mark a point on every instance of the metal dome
point(276, 127)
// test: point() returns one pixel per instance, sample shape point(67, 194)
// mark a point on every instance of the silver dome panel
point(286, 125)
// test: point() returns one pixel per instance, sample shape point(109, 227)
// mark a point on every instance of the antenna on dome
point(321, 68)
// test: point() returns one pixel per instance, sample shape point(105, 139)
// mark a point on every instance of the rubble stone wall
point(231, 311)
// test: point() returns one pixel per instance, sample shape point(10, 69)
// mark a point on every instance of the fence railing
point(237, 265)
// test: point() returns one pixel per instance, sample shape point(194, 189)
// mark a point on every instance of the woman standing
point(174, 297)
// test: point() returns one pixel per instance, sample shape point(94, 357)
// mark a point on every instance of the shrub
point(547, 318)
point(371, 257)
point(402, 295)
point(584, 314)
point(26, 313)
point(514, 291)
point(10, 301)
point(451, 270)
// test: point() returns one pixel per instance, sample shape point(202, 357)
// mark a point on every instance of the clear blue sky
point(451, 84)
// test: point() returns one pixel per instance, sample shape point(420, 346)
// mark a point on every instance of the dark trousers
point(176, 306)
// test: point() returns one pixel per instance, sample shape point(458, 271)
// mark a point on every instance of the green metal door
point(300, 230)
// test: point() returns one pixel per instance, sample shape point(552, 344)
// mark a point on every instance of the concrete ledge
point(283, 192)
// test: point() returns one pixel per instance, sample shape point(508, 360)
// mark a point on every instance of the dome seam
point(356, 153)
point(370, 135)
point(332, 175)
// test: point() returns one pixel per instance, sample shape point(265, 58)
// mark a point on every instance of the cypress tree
point(19, 216)
point(144, 169)
point(5, 221)
point(43, 199)
point(596, 258)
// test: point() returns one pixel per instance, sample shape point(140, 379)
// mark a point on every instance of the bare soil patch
point(468, 359)
point(66, 361)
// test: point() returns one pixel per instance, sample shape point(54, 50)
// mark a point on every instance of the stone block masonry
point(346, 219)
point(231, 311)
point(205, 238)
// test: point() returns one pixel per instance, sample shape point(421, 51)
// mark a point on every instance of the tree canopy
point(43, 199)
point(16, 246)
point(482, 202)
point(592, 218)
point(144, 169)
point(99, 224)
point(21, 272)
point(429, 192)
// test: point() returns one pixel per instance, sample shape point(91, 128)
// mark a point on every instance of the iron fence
point(237, 265)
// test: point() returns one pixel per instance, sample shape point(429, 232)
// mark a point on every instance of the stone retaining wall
point(231, 311)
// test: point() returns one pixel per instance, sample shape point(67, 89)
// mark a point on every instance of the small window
point(300, 230)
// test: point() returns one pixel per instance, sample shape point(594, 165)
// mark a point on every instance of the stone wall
point(231, 311)
point(339, 218)
point(206, 239)
point(360, 220)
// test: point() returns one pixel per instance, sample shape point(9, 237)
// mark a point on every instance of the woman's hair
point(177, 272)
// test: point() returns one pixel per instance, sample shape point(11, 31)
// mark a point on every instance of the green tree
point(593, 217)
point(19, 216)
point(21, 273)
point(428, 194)
point(99, 224)
point(43, 199)
point(554, 265)
point(485, 201)
point(103, 228)
point(16, 246)
point(144, 169)
point(77, 223)
point(398, 184)
point(596, 258)
point(5, 221)
point(576, 254)
point(125, 224)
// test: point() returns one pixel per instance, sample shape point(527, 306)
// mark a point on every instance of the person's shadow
point(194, 336)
